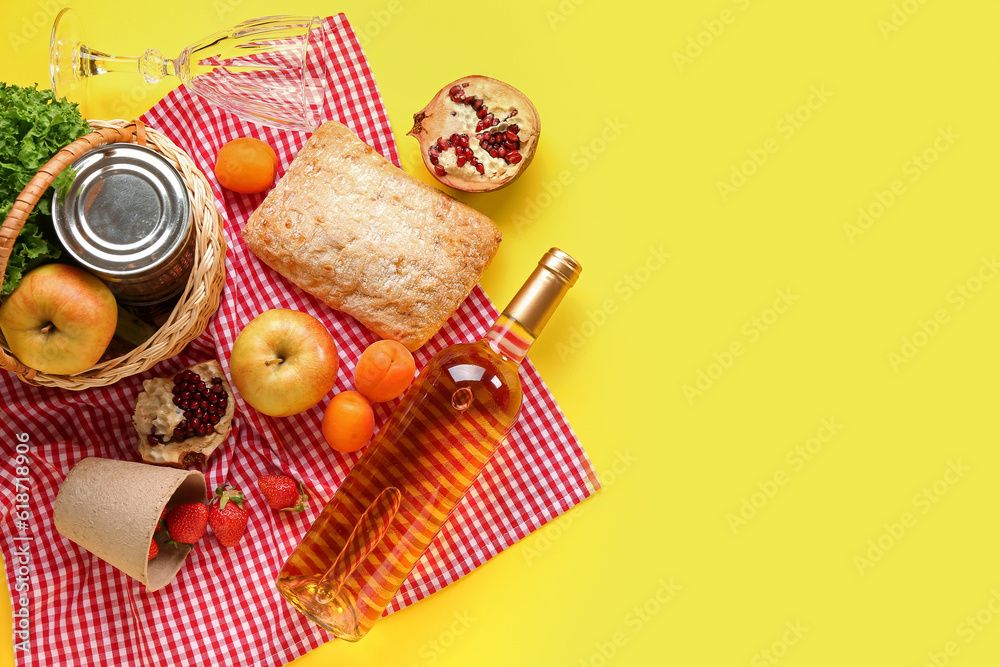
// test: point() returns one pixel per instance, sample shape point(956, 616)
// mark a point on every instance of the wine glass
point(268, 70)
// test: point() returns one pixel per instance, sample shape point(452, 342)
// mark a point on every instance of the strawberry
point(227, 517)
point(187, 522)
point(153, 550)
point(283, 493)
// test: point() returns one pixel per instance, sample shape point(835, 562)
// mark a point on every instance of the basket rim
point(201, 295)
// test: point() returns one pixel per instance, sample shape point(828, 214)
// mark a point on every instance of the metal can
point(126, 218)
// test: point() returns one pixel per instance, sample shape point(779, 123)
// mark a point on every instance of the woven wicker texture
point(200, 298)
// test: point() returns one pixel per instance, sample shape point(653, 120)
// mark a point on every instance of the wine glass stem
point(151, 65)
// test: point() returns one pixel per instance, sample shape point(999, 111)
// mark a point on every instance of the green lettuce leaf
point(34, 126)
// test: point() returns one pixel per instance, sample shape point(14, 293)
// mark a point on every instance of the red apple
point(59, 320)
point(284, 362)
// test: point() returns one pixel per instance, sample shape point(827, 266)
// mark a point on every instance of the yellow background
point(645, 138)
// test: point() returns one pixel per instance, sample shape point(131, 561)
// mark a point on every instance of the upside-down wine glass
point(268, 70)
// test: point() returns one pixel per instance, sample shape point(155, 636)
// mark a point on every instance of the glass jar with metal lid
point(126, 217)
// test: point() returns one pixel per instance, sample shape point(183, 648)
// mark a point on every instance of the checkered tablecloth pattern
point(223, 608)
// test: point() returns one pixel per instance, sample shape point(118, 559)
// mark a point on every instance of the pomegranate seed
point(502, 152)
point(184, 404)
point(481, 113)
point(482, 143)
point(442, 144)
point(495, 122)
point(455, 89)
point(514, 129)
point(461, 161)
point(476, 104)
point(178, 433)
point(434, 159)
point(195, 423)
point(217, 381)
point(480, 168)
point(217, 388)
point(439, 170)
point(493, 152)
point(511, 136)
point(464, 141)
point(152, 440)
point(512, 113)
point(514, 158)
point(511, 145)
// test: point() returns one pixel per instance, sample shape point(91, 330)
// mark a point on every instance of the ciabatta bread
point(365, 237)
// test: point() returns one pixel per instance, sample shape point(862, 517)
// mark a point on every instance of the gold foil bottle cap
point(538, 298)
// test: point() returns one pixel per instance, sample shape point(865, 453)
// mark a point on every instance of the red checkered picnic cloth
point(223, 607)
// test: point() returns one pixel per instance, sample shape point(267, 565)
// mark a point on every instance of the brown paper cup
point(110, 508)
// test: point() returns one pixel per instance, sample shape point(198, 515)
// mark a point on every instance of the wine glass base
point(65, 70)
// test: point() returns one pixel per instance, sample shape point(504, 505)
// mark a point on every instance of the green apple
point(59, 320)
point(284, 362)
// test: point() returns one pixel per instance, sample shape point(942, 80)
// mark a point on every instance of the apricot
point(246, 165)
point(384, 371)
point(348, 423)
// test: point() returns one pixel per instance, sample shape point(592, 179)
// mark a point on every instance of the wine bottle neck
point(508, 338)
point(527, 313)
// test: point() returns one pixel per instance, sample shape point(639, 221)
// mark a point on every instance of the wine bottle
point(449, 423)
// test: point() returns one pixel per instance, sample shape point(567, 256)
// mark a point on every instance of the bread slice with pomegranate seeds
point(157, 415)
point(368, 239)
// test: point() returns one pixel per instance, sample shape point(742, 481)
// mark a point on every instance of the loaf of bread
point(350, 228)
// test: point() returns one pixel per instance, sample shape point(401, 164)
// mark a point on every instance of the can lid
point(126, 211)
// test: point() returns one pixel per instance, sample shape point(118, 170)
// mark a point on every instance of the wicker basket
point(200, 298)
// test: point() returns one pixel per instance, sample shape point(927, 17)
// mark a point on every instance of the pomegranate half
point(478, 134)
